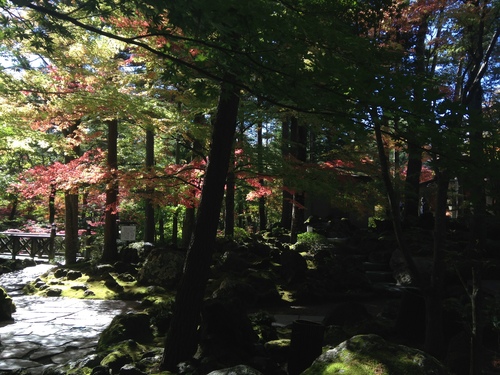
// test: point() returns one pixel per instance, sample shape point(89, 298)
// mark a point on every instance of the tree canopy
point(270, 104)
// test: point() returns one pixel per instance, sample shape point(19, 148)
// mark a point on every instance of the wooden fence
point(31, 244)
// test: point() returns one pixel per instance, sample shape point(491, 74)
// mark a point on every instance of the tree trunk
point(71, 240)
point(175, 218)
point(182, 336)
point(188, 226)
point(260, 169)
point(434, 339)
point(110, 251)
point(149, 211)
point(52, 218)
point(161, 227)
point(229, 206)
point(478, 225)
point(414, 166)
point(175, 227)
point(298, 136)
point(394, 203)
point(476, 302)
point(13, 208)
point(412, 184)
point(286, 205)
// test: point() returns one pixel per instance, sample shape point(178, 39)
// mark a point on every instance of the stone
point(7, 306)
point(278, 349)
point(371, 354)
point(20, 350)
point(155, 289)
point(162, 267)
point(88, 293)
point(135, 326)
point(41, 285)
point(236, 370)
point(79, 287)
point(53, 292)
point(116, 360)
point(46, 352)
point(100, 370)
point(126, 277)
point(70, 355)
point(102, 269)
point(112, 284)
point(73, 275)
point(11, 364)
point(130, 369)
point(28, 262)
point(60, 272)
point(129, 254)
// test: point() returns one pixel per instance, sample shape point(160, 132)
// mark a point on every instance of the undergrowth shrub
point(310, 242)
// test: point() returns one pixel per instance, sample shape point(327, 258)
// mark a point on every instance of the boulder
point(73, 275)
point(134, 326)
point(236, 370)
point(60, 272)
point(129, 254)
point(162, 267)
point(130, 369)
point(371, 354)
point(53, 292)
point(7, 307)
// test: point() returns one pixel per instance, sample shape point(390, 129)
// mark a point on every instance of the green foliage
point(241, 234)
point(310, 242)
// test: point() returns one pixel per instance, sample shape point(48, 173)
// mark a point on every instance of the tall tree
point(182, 337)
point(149, 223)
point(110, 250)
point(71, 196)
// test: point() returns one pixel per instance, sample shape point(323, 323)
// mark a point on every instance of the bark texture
point(182, 337)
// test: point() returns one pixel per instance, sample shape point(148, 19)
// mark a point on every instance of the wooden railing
point(31, 244)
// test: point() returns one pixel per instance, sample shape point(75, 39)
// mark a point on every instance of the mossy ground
point(127, 290)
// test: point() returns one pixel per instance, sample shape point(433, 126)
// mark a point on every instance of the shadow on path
point(47, 331)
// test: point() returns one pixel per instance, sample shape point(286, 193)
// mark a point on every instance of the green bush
point(310, 242)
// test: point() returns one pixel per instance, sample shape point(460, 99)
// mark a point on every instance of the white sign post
point(127, 232)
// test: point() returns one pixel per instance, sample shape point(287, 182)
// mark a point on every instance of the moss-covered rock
point(236, 370)
point(162, 267)
point(278, 349)
point(371, 354)
point(7, 307)
point(124, 353)
point(116, 360)
point(135, 326)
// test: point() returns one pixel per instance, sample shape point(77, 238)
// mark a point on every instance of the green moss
point(370, 354)
point(79, 371)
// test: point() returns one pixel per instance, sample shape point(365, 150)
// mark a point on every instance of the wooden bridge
point(31, 244)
